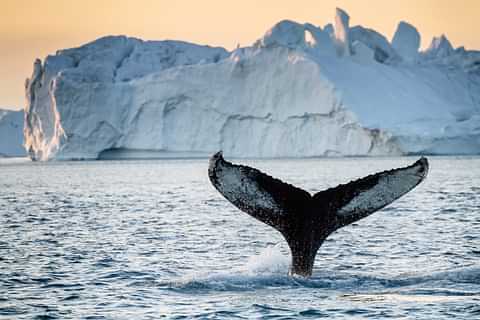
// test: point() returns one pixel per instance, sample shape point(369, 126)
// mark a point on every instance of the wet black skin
point(305, 221)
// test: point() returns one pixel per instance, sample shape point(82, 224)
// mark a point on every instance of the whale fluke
point(304, 220)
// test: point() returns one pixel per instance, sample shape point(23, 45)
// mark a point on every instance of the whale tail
point(304, 220)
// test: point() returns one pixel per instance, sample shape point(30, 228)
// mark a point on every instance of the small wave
point(60, 285)
point(469, 275)
point(465, 275)
point(127, 275)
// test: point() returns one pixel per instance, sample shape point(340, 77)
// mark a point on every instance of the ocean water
point(153, 239)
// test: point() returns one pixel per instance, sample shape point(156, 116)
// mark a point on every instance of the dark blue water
point(146, 239)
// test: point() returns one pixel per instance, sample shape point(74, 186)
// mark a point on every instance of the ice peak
point(342, 38)
point(383, 51)
point(285, 33)
point(440, 47)
point(293, 35)
point(406, 41)
point(341, 13)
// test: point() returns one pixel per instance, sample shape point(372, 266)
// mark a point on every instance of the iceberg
point(11, 133)
point(440, 47)
point(406, 41)
point(382, 49)
point(342, 32)
point(298, 91)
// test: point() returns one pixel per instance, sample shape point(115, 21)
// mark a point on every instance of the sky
point(32, 28)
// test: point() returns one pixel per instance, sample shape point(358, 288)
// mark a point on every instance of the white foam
point(269, 267)
point(271, 260)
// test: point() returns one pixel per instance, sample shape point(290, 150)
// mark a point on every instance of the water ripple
point(146, 239)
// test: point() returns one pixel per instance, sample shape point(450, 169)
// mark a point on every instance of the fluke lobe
point(305, 220)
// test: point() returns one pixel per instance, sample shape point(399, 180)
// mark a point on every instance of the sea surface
point(152, 239)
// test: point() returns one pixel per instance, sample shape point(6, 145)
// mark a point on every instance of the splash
point(271, 260)
point(268, 268)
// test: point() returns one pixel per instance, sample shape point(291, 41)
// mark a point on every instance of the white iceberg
point(288, 95)
point(11, 133)
point(406, 41)
point(440, 47)
point(383, 51)
point(342, 31)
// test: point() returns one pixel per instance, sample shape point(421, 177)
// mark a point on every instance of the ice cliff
point(298, 91)
point(11, 134)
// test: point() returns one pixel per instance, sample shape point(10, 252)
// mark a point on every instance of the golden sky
point(35, 28)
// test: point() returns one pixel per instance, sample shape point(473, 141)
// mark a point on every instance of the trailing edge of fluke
point(306, 220)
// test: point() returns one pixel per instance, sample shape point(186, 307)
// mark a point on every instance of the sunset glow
point(31, 29)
